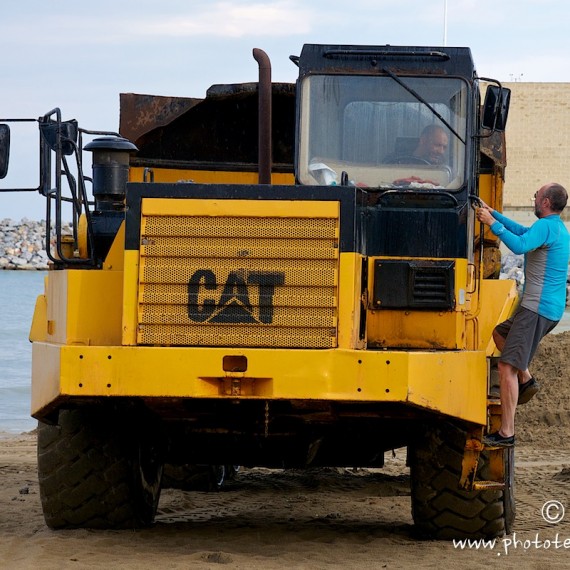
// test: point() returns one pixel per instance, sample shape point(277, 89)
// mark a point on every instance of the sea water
point(18, 293)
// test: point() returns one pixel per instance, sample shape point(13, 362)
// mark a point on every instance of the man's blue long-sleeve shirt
point(546, 249)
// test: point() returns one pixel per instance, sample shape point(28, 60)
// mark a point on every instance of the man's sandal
point(497, 440)
point(528, 390)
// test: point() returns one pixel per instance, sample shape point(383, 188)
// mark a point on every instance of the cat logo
point(234, 305)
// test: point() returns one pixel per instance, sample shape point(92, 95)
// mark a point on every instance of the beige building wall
point(537, 140)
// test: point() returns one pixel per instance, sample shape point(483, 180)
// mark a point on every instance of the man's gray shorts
point(523, 331)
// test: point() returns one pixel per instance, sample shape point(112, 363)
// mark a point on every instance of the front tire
point(99, 469)
point(439, 507)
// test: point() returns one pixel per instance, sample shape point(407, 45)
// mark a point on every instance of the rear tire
point(99, 469)
point(188, 477)
point(440, 509)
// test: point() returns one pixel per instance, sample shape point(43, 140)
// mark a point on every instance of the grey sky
point(80, 55)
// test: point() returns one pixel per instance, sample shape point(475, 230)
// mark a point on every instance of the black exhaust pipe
point(264, 140)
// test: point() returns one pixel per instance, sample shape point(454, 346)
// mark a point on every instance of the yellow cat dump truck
point(274, 276)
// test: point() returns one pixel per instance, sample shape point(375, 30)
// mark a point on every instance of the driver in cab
point(432, 145)
point(431, 148)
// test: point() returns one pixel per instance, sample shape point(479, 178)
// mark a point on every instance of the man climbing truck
point(254, 281)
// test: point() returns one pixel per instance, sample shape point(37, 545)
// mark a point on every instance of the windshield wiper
point(422, 100)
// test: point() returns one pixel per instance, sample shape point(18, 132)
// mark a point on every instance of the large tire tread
point(88, 472)
point(440, 509)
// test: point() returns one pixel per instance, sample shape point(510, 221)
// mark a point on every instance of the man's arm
point(510, 225)
point(488, 216)
point(536, 236)
point(532, 238)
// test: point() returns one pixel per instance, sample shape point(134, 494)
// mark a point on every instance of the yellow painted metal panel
point(85, 307)
point(412, 328)
point(56, 293)
point(499, 299)
point(454, 381)
point(82, 237)
point(450, 382)
point(38, 330)
point(82, 307)
point(350, 301)
point(94, 307)
point(416, 329)
point(237, 208)
point(130, 297)
point(463, 278)
point(170, 175)
point(116, 256)
point(46, 375)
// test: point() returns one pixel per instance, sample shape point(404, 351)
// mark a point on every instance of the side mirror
point(496, 108)
point(4, 150)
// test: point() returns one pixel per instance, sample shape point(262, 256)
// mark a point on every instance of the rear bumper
point(450, 382)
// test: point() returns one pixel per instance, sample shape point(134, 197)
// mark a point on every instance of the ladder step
point(495, 447)
point(488, 486)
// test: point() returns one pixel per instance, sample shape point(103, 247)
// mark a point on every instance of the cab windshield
point(383, 132)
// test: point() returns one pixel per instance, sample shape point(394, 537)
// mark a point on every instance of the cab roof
point(405, 60)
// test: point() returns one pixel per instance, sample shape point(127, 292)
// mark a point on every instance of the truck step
point(488, 486)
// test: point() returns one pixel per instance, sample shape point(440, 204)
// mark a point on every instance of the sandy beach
point(326, 518)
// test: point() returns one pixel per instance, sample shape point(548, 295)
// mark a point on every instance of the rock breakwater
point(22, 244)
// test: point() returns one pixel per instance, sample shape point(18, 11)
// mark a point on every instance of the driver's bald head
point(432, 146)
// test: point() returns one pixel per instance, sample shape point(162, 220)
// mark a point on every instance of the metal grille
point(430, 286)
point(417, 284)
point(247, 281)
